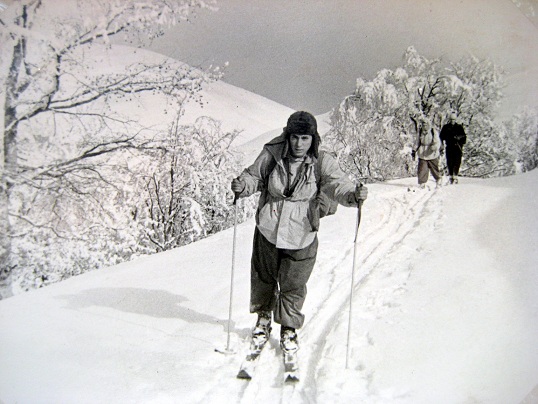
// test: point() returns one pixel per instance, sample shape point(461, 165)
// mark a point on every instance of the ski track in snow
point(384, 258)
point(381, 253)
point(427, 324)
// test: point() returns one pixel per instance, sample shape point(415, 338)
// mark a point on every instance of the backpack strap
point(270, 167)
point(326, 205)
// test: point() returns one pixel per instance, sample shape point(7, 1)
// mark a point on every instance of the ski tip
point(244, 375)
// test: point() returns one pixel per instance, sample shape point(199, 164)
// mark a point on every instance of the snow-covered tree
point(60, 111)
point(185, 188)
point(521, 133)
point(374, 130)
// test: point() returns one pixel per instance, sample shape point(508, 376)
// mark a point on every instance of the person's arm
point(252, 179)
point(416, 145)
point(337, 186)
point(463, 136)
point(436, 139)
point(442, 134)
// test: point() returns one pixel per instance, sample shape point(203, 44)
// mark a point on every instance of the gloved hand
point(361, 193)
point(413, 154)
point(238, 185)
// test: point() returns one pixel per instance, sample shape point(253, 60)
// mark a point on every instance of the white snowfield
point(445, 310)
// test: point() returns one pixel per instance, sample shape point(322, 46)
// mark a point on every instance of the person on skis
point(291, 202)
point(428, 150)
point(454, 137)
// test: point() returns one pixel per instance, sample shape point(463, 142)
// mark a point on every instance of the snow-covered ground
point(445, 311)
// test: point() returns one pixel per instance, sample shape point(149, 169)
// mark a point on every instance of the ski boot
point(262, 330)
point(288, 340)
point(289, 346)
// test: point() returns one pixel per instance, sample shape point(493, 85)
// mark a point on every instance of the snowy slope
point(445, 311)
point(236, 108)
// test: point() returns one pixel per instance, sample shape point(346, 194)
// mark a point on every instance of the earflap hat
point(304, 123)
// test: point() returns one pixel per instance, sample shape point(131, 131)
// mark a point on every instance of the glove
point(361, 193)
point(413, 154)
point(238, 185)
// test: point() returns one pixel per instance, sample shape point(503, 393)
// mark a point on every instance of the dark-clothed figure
point(285, 239)
point(454, 137)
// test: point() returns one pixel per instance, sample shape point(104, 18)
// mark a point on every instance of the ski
point(291, 366)
point(248, 366)
point(260, 336)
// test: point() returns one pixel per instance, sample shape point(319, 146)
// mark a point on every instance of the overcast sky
point(307, 54)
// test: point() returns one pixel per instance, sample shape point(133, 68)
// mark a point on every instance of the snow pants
point(453, 160)
point(424, 168)
point(278, 280)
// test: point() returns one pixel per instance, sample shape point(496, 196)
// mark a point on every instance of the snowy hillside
point(238, 109)
point(257, 118)
point(445, 311)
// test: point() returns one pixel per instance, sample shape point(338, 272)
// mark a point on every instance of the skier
point(296, 180)
point(427, 148)
point(454, 137)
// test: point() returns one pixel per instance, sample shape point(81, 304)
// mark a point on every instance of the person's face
point(300, 144)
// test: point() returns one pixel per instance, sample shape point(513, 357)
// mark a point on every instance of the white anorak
point(285, 217)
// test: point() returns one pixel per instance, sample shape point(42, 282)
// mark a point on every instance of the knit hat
point(304, 123)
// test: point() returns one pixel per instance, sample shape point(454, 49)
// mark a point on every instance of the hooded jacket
point(286, 217)
point(428, 144)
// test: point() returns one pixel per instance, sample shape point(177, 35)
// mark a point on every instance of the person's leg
point(422, 171)
point(433, 166)
point(457, 163)
point(449, 162)
point(294, 272)
point(263, 274)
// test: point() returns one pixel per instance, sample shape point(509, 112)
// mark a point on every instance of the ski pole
point(355, 250)
point(232, 274)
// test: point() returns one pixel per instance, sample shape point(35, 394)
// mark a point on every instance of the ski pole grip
point(360, 201)
point(236, 197)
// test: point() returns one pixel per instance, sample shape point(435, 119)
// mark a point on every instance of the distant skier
point(427, 148)
point(290, 173)
point(454, 137)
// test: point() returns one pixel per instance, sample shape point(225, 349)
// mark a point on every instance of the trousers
point(424, 167)
point(453, 160)
point(278, 280)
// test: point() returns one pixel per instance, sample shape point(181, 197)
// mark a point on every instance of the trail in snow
point(381, 237)
point(444, 310)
